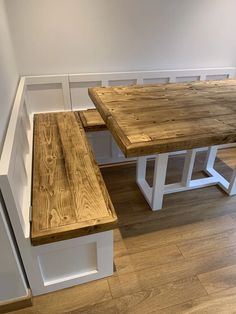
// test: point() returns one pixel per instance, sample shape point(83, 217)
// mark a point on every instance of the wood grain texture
point(149, 119)
point(206, 244)
point(223, 302)
point(92, 120)
point(69, 195)
point(219, 279)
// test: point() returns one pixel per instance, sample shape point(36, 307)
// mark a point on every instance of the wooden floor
point(181, 259)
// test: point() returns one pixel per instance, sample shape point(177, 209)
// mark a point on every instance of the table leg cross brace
point(154, 194)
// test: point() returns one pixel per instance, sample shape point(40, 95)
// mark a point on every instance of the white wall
point(73, 36)
point(8, 73)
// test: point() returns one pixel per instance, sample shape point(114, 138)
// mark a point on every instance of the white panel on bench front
point(85, 257)
point(16, 160)
point(70, 262)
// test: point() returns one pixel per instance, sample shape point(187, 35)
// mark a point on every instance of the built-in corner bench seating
point(63, 226)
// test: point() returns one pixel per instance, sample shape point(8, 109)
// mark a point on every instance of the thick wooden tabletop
point(69, 195)
point(149, 119)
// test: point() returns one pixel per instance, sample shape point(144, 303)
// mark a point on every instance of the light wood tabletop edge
point(157, 147)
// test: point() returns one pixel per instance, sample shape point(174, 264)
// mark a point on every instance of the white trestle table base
point(154, 195)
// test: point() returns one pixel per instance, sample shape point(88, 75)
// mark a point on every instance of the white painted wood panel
point(12, 281)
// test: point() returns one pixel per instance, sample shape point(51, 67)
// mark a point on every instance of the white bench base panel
point(71, 262)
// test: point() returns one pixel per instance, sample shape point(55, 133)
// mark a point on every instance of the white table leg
point(154, 195)
point(161, 161)
point(141, 168)
point(188, 167)
point(210, 158)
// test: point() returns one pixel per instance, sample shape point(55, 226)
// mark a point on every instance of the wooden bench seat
point(69, 196)
point(92, 120)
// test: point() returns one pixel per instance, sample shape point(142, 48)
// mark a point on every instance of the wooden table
point(159, 119)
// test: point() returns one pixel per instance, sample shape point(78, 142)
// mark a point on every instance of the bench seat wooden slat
point(92, 120)
point(69, 195)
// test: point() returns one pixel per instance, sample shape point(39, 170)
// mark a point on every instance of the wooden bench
point(67, 182)
point(72, 217)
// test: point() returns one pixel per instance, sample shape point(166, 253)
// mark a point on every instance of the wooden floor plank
point(165, 273)
point(123, 284)
point(147, 258)
point(70, 299)
point(219, 279)
point(157, 256)
point(223, 302)
point(108, 307)
point(168, 236)
point(228, 158)
point(210, 243)
point(152, 300)
point(147, 301)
